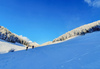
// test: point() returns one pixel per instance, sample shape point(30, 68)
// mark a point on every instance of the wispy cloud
point(31, 43)
point(94, 3)
point(25, 38)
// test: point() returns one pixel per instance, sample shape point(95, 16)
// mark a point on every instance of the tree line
point(6, 35)
point(82, 30)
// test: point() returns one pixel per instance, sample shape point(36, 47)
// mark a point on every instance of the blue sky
point(45, 20)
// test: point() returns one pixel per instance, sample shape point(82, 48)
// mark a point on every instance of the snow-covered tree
point(82, 30)
point(5, 34)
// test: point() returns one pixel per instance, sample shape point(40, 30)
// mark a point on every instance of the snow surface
point(82, 52)
point(6, 46)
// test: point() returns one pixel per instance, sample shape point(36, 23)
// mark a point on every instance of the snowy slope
point(6, 46)
point(82, 52)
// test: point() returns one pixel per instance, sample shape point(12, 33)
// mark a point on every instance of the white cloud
point(31, 43)
point(25, 38)
point(94, 3)
point(28, 40)
point(88, 1)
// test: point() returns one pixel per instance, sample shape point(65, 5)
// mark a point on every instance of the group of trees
point(5, 34)
point(82, 30)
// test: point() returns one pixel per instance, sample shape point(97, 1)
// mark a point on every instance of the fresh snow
point(6, 46)
point(82, 52)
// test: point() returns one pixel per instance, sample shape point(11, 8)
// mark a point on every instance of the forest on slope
point(82, 30)
point(8, 36)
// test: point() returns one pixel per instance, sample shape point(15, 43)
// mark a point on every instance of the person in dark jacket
point(32, 47)
point(26, 48)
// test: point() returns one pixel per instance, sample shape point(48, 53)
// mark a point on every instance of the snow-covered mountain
point(9, 40)
point(82, 30)
point(6, 35)
point(82, 52)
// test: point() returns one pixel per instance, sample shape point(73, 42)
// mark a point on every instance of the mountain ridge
point(8, 36)
point(82, 30)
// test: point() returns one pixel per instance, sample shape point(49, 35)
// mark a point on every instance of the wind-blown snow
point(82, 52)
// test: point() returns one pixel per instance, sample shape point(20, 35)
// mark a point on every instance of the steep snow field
point(6, 46)
point(82, 52)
